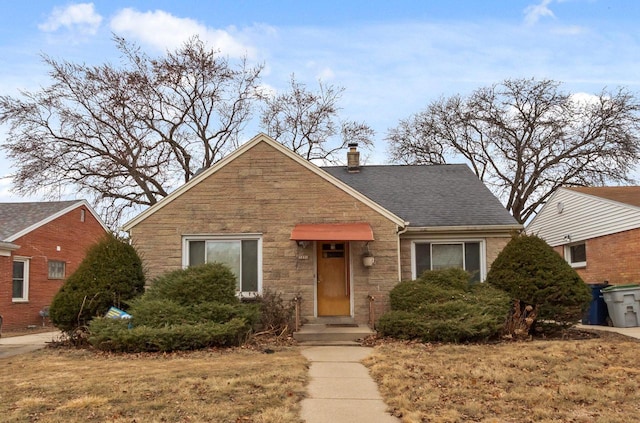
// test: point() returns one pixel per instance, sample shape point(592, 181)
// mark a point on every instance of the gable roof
point(626, 194)
point(243, 149)
point(18, 219)
point(577, 214)
point(435, 196)
point(429, 196)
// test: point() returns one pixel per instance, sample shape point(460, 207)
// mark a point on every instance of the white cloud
point(162, 30)
point(584, 98)
point(326, 74)
point(533, 13)
point(266, 90)
point(79, 17)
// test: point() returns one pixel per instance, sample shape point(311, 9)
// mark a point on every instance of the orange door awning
point(332, 232)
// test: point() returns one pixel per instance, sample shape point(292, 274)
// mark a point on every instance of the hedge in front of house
point(185, 309)
point(166, 312)
point(116, 335)
point(431, 309)
point(211, 282)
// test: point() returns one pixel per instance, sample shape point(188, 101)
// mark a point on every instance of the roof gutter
point(7, 247)
point(467, 228)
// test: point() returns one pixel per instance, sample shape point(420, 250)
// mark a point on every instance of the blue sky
point(392, 57)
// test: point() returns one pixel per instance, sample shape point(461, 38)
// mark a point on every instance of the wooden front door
point(334, 296)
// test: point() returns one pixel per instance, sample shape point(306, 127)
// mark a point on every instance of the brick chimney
point(353, 158)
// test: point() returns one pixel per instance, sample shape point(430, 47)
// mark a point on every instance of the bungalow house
point(41, 243)
point(596, 229)
point(338, 238)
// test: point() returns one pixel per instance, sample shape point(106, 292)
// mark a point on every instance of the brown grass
point(238, 385)
point(595, 380)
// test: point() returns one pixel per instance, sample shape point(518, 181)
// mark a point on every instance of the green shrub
point(110, 274)
point(402, 324)
point(185, 309)
point(431, 309)
point(450, 279)
point(195, 285)
point(531, 272)
point(115, 335)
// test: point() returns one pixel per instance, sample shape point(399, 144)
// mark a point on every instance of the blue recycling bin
point(598, 312)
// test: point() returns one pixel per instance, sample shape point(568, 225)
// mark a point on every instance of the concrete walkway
point(633, 332)
point(22, 344)
point(340, 388)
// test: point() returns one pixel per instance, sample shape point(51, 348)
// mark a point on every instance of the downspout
point(400, 232)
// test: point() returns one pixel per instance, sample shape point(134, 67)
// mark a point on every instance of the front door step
point(332, 334)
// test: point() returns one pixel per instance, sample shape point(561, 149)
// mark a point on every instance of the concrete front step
point(331, 333)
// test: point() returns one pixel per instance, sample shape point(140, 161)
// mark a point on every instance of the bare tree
point(525, 138)
point(128, 135)
point(308, 122)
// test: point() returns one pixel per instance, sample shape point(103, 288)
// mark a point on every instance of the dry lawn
point(239, 385)
point(595, 380)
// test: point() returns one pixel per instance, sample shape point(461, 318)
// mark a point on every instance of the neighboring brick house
point(285, 224)
point(41, 243)
point(596, 229)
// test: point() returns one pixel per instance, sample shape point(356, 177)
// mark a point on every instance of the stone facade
point(265, 192)
point(66, 239)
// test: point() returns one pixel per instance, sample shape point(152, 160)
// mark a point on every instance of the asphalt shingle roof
point(15, 217)
point(428, 196)
point(624, 194)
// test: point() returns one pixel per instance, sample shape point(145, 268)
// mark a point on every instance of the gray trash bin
point(623, 303)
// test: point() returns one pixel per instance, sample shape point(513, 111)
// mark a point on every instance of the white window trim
point(25, 286)
point(567, 255)
point(483, 252)
point(226, 237)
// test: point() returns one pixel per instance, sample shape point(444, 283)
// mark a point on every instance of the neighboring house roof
point(429, 196)
point(18, 219)
point(627, 194)
point(421, 196)
point(577, 214)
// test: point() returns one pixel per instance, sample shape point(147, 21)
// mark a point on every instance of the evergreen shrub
point(442, 305)
point(110, 275)
point(535, 275)
point(185, 309)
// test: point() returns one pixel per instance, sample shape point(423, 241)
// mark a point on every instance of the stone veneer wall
point(263, 191)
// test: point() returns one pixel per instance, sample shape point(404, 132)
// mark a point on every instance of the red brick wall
point(614, 258)
point(40, 245)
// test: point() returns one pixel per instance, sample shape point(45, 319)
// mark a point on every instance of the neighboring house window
point(56, 269)
point(434, 255)
point(82, 212)
point(576, 254)
point(242, 254)
point(20, 279)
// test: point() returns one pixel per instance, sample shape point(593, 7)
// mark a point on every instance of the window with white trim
point(242, 254)
point(20, 279)
point(576, 254)
point(434, 255)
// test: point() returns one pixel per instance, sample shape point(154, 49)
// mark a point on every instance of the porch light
point(367, 257)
